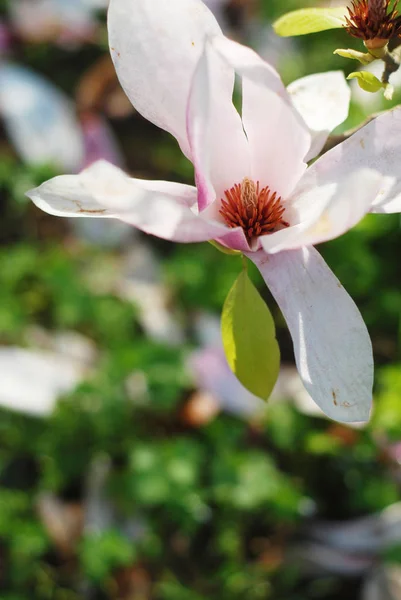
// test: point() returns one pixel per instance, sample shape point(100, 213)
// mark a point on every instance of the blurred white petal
point(33, 380)
point(317, 559)
point(39, 119)
point(384, 583)
point(66, 21)
point(141, 282)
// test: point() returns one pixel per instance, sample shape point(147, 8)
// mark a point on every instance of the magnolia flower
point(254, 192)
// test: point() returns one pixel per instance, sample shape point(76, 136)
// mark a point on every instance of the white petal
point(332, 348)
point(377, 146)
point(39, 119)
point(359, 175)
point(323, 210)
point(160, 208)
point(277, 135)
point(323, 101)
point(155, 46)
point(218, 144)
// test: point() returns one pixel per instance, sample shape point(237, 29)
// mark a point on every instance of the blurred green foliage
point(201, 500)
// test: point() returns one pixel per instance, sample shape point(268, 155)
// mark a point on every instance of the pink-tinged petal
point(155, 46)
point(323, 101)
point(5, 39)
point(332, 348)
point(235, 239)
point(160, 208)
point(100, 142)
point(218, 144)
point(277, 135)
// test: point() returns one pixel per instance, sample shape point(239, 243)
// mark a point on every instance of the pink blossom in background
point(99, 140)
point(5, 38)
point(66, 22)
point(212, 375)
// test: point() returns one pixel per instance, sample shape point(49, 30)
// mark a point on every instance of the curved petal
point(332, 348)
point(277, 135)
point(235, 239)
point(388, 207)
point(377, 147)
point(218, 144)
point(322, 99)
point(159, 208)
point(324, 211)
point(360, 175)
point(155, 46)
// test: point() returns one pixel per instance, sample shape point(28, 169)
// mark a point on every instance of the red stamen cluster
point(373, 19)
point(257, 211)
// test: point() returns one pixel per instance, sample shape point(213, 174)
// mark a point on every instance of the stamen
point(257, 211)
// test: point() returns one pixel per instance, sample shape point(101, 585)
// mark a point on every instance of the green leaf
point(367, 81)
point(249, 338)
point(364, 57)
point(224, 249)
point(310, 20)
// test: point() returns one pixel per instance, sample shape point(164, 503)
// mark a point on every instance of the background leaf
point(310, 20)
point(364, 57)
point(249, 338)
point(367, 81)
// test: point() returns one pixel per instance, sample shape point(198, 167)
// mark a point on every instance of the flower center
point(257, 211)
point(373, 20)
